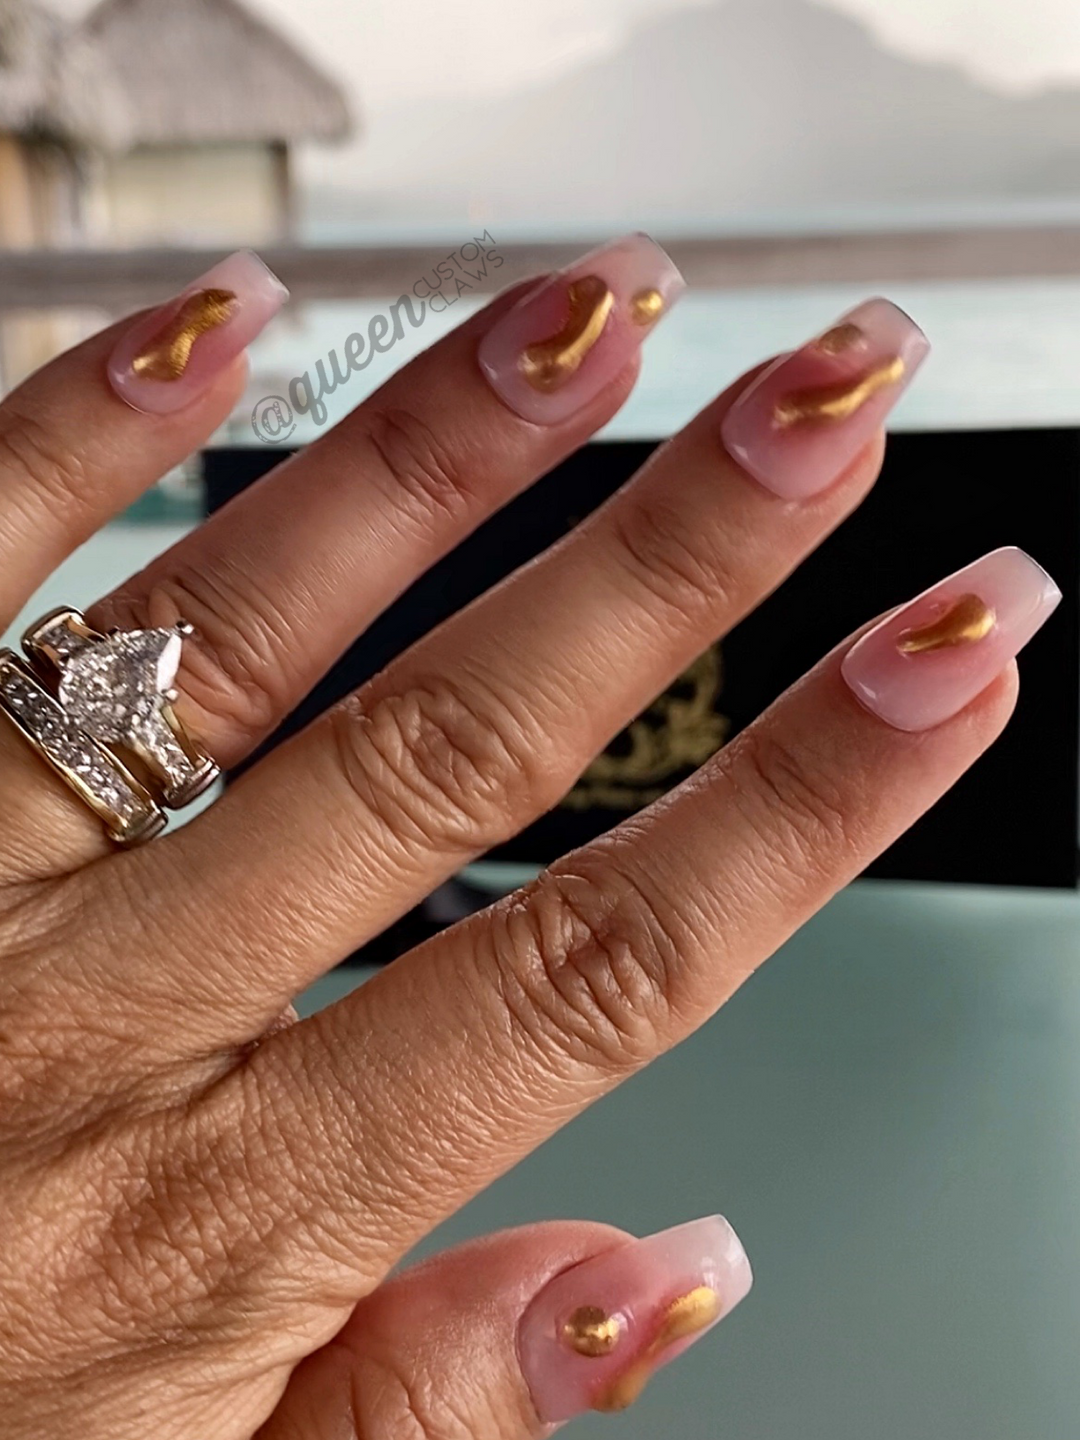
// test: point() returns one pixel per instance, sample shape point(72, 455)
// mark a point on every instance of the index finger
point(73, 452)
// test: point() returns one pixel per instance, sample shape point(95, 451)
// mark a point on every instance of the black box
point(942, 500)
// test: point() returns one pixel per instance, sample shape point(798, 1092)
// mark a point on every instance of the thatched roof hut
point(53, 84)
point(160, 72)
point(150, 122)
point(197, 72)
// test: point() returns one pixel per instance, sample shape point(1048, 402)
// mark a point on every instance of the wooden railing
point(118, 280)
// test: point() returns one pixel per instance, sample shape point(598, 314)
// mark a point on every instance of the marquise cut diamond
point(98, 709)
point(115, 688)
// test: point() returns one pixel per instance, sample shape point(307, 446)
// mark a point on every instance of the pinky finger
point(509, 1336)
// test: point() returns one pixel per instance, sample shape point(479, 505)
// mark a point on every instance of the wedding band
point(98, 709)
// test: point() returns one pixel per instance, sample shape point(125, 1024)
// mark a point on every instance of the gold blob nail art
point(837, 402)
point(628, 1388)
point(689, 1314)
point(840, 338)
point(686, 1316)
point(965, 621)
point(549, 364)
point(167, 355)
point(646, 306)
point(592, 1331)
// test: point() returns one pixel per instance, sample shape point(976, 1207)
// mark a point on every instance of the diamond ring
point(98, 709)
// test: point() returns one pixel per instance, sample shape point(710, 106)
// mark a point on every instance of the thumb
point(504, 1337)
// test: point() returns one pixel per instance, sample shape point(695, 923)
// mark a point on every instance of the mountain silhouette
point(744, 108)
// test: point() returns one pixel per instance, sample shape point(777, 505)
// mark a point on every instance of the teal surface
point(889, 1113)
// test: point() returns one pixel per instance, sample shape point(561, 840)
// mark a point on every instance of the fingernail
point(924, 663)
point(563, 342)
point(166, 359)
point(595, 1334)
point(805, 419)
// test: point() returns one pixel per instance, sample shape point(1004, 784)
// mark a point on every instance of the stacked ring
point(98, 709)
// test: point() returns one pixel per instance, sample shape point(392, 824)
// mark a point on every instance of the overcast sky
point(395, 50)
point(390, 53)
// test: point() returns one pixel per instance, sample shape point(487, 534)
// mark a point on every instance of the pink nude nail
point(595, 1334)
point(169, 356)
point(564, 341)
point(799, 425)
point(924, 663)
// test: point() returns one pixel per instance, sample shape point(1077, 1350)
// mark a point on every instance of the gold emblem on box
point(680, 730)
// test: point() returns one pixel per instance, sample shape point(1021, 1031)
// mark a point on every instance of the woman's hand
point(200, 1198)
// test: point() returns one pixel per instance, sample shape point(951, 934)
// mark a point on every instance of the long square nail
point(595, 1334)
point(171, 355)
point(564, 341)
point(923, 664)
point(802, 422)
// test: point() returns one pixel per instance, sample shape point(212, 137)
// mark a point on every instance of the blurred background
point(792, 153)
point(890, 1112)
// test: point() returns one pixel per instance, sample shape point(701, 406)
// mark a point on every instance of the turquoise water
point(1005, 353)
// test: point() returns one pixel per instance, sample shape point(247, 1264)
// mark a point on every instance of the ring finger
point(72, 455)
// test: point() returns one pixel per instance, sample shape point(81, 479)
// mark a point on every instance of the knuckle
point(668, 558)
point(591, 965)
point(439, 764)
point(425, 480)
point(236, 666)
point(30, 452)
point(792, 795)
